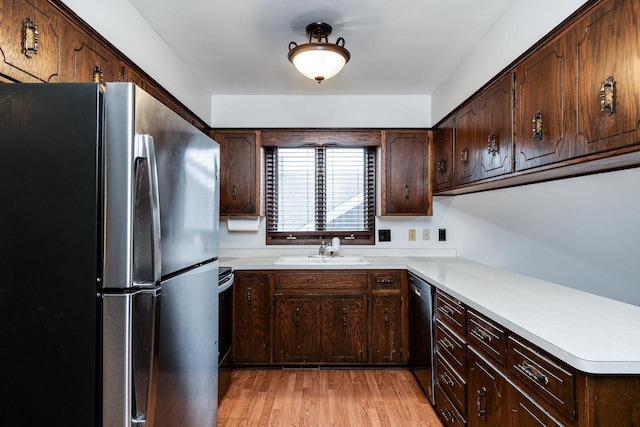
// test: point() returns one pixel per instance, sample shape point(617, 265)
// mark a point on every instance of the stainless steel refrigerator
point(108, 260)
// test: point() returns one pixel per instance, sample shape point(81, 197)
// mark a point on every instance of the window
point(315, 193)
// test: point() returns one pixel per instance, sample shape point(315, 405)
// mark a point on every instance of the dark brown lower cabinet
point(386, 329)
point(296, 331)
point(525, 412)
point(251, 315)
point(321, 328)
point(487, 393)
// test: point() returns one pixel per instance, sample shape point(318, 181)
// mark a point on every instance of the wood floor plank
point(325, 398)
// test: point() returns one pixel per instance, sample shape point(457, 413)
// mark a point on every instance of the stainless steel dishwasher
point(421, 334)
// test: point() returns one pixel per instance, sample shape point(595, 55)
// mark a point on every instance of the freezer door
point(130, 328)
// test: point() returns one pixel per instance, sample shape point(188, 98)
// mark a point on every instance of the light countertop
point(589, 332)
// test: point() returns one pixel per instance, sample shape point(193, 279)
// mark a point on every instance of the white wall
point(264, 111)
point(580, 232)
point(120, 23)
point(525, 23)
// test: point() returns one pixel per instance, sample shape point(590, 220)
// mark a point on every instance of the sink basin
point(320, 260)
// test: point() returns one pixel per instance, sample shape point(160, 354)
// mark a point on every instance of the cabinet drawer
point(489, 336)
point(452, 312)
point(451, 347)
point(447, 410)
point(316, 282)
point(452, 383)
point(553, 381)
point(391, 280)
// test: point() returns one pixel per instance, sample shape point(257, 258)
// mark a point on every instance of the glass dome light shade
point(319, 61)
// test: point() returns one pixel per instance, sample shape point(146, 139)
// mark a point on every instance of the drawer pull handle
point(446, 343)
point(482, 403)
point(344, 317)
point(446, 379)
point(606, 96)
point(448, 417)
point(481, 334)
point(386, 281)
point(533, 373)
point(297, 317)
point(248, 296)
point(30, 42)
point(446, 310)
point(386, 317)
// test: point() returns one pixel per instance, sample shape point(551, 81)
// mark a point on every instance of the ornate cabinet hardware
point(607, 95)
point(234, 192)
point(464, 156)
point(406, 192)
point(386, 317)
point(482, 403)
point(492, 144)
point(98, 75)
point(344, 317)
point(533, 373)
point(536, 126)
point(297, 317)
point(30, 38)
point(248, 296)
point(442, 166)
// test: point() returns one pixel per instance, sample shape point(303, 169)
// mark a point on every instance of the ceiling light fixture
point(319, 60)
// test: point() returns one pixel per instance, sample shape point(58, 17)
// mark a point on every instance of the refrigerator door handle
point(145, 352)
point(145, 149)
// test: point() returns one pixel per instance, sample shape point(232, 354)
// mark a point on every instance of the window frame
point(369, 140)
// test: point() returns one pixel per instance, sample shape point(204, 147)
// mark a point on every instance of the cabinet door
point(344, 328)
point(296, 328)
point(443, 155)
point(466, 145)
point(251, 315)
point(94, 63)
point(406, 188)
point(495, 146)
point(543, 105)
point(386, 329)
point(607, 87)
point(240, 177)
point(486, 397)
point(525, 412)
point(29, 41)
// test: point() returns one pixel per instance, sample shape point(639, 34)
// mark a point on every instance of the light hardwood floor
point(325, 397)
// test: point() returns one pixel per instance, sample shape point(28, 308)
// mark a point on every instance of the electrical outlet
point(426, 234)
point(412, 234)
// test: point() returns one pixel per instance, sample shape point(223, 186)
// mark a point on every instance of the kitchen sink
point(320, 260)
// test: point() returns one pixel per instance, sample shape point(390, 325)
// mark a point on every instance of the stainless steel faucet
point(323, 248)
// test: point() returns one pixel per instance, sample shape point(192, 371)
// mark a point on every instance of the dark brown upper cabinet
point(240, 176)
point(406, 180)
point(543, 101)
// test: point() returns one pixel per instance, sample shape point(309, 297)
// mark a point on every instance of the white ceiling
point(239, 47)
